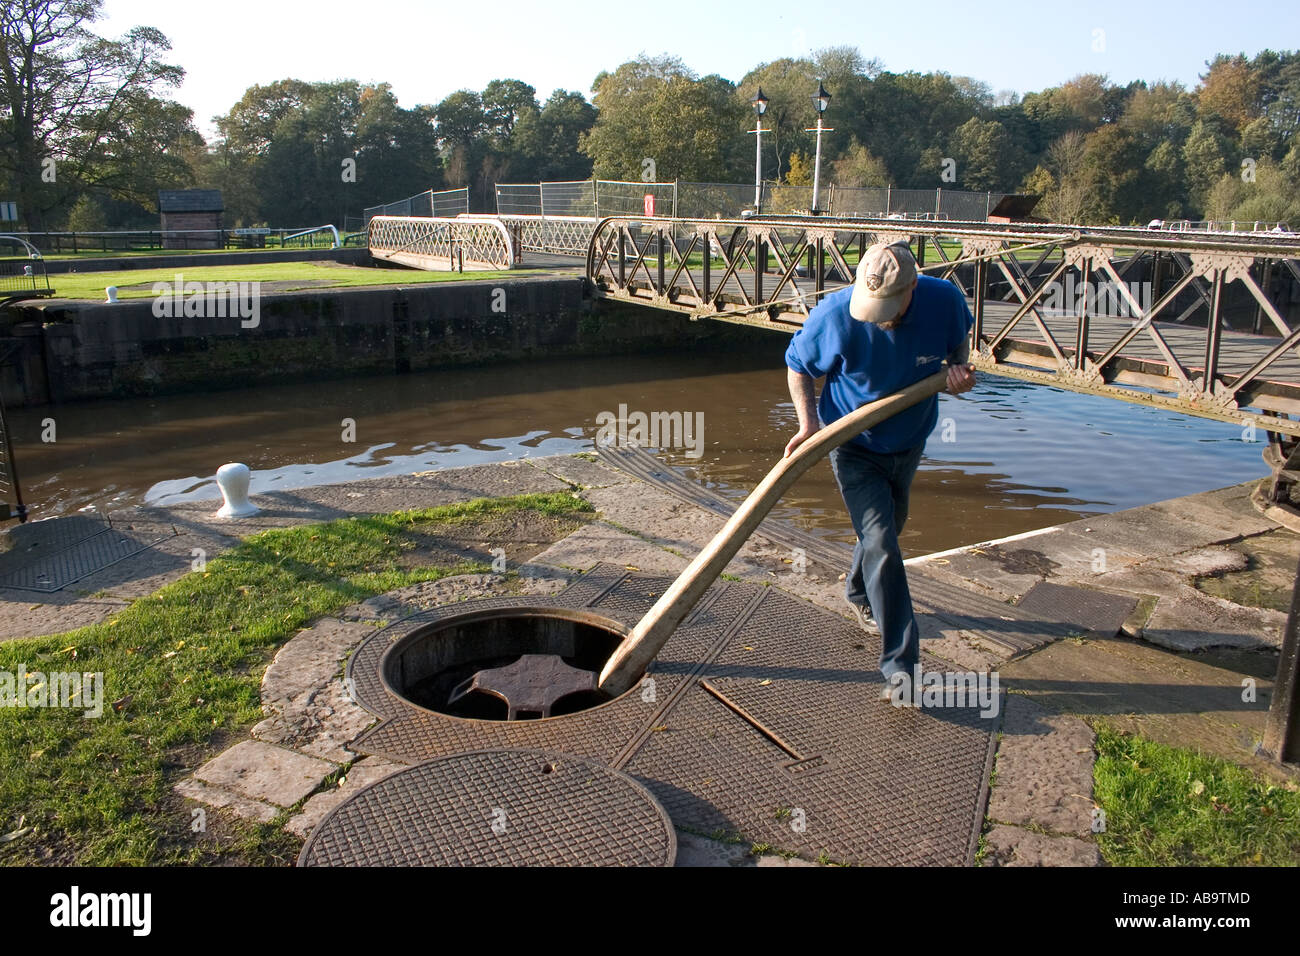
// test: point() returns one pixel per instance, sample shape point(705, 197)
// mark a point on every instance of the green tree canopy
point(79, 111)
point(656, 117)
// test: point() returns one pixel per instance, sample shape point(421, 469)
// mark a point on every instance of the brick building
point(185, 209)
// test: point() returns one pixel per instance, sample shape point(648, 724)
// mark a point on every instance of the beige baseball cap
point(884, 275)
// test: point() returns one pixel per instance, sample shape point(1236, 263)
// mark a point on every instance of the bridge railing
point(443, 244)
point(553, 235)
point(1204, 321)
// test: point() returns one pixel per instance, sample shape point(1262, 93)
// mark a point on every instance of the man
point(892, 328)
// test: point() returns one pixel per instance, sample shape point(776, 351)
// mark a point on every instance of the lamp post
point(821, 99)
point(760, 107)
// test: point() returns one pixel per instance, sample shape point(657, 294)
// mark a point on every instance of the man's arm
point(803, 394)
point(961, 376)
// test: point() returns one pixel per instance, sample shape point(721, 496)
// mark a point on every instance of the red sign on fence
point(649, 204)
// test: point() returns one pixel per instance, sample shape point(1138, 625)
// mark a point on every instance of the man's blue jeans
point(875, 489)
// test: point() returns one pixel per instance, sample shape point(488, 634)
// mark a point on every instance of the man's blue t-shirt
point(863, 362)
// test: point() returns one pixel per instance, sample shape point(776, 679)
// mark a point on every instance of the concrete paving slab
point(1043, 770)
point(1148, 532)
point(696, 850)
point(310, 660)
point(31, 614)
point(1186, 619)
point(261, 771)
point(1204, 561)
point(1227, 512)
point(254, 810)
point(1083, 549)
point(1177, 699)
point(1013, 846)
point(1005, 579)
point(320, 721)
point(600, 541)
point(579, 471)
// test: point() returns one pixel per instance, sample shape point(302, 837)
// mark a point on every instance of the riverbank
point(1171, 668)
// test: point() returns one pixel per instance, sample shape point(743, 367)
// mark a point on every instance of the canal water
point(1007, 457)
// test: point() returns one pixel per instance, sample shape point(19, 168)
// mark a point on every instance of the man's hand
point(803, 435)
point(961, 378)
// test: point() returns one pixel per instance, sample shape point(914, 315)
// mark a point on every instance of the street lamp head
point(760, 102)
point(821, 99)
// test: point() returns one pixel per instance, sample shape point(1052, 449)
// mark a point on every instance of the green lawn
point(182, 670)
point(1171, 807)
point(138, 283)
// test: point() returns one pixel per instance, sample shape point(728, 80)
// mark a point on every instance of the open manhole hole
point(497, 808)
point(516, 663)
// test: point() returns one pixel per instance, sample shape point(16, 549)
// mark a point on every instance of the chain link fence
point(597, 198)
point(443, 203)
point(519, 199)
point(569, 198)
point(620, 198)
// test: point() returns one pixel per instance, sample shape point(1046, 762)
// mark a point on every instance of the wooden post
point(653, 631)
point(1282, 727)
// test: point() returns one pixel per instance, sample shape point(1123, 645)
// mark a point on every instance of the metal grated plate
point(49, 555)
point(46, 537)
point(872, 783)
point(497, 808)
point(411, 734)
point(1084, 608)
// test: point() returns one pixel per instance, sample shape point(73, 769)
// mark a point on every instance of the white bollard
point(232, 479)
point(111, 292)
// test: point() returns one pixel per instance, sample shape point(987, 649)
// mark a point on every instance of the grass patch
point(1166, 806)
point(138, 283)
point(184, 666)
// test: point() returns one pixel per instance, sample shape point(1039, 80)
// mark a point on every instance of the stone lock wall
point(69, 351)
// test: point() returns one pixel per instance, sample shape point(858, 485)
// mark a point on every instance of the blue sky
point(427, 50)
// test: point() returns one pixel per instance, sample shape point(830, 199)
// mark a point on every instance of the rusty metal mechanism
point(532, 685)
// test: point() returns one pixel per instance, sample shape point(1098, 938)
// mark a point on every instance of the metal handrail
point(313, 231)
point(32, 251)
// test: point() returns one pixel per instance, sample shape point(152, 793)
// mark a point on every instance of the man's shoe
point(900, 685)
point(863, 614)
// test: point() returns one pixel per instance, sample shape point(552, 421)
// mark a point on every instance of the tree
point(907, 118)
point(1111, 173)
point(656, 118)
point(858, 167)
point(1165, 182)
point(86, 216)
point(1230, 89)
point(1066, 199)
point(788, 85)
point(546, 141)
point(505, 102)
point(396, 148)
point(296, 153)
point(984, 155)
point(68, 98)
point(1206, 156)
point(801, 170)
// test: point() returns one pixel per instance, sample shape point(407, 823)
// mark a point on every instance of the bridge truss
point(1175, 320)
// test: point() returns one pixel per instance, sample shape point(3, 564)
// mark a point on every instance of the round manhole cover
point(497, 808)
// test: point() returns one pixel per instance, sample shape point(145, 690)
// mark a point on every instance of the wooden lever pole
point(650, 635)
